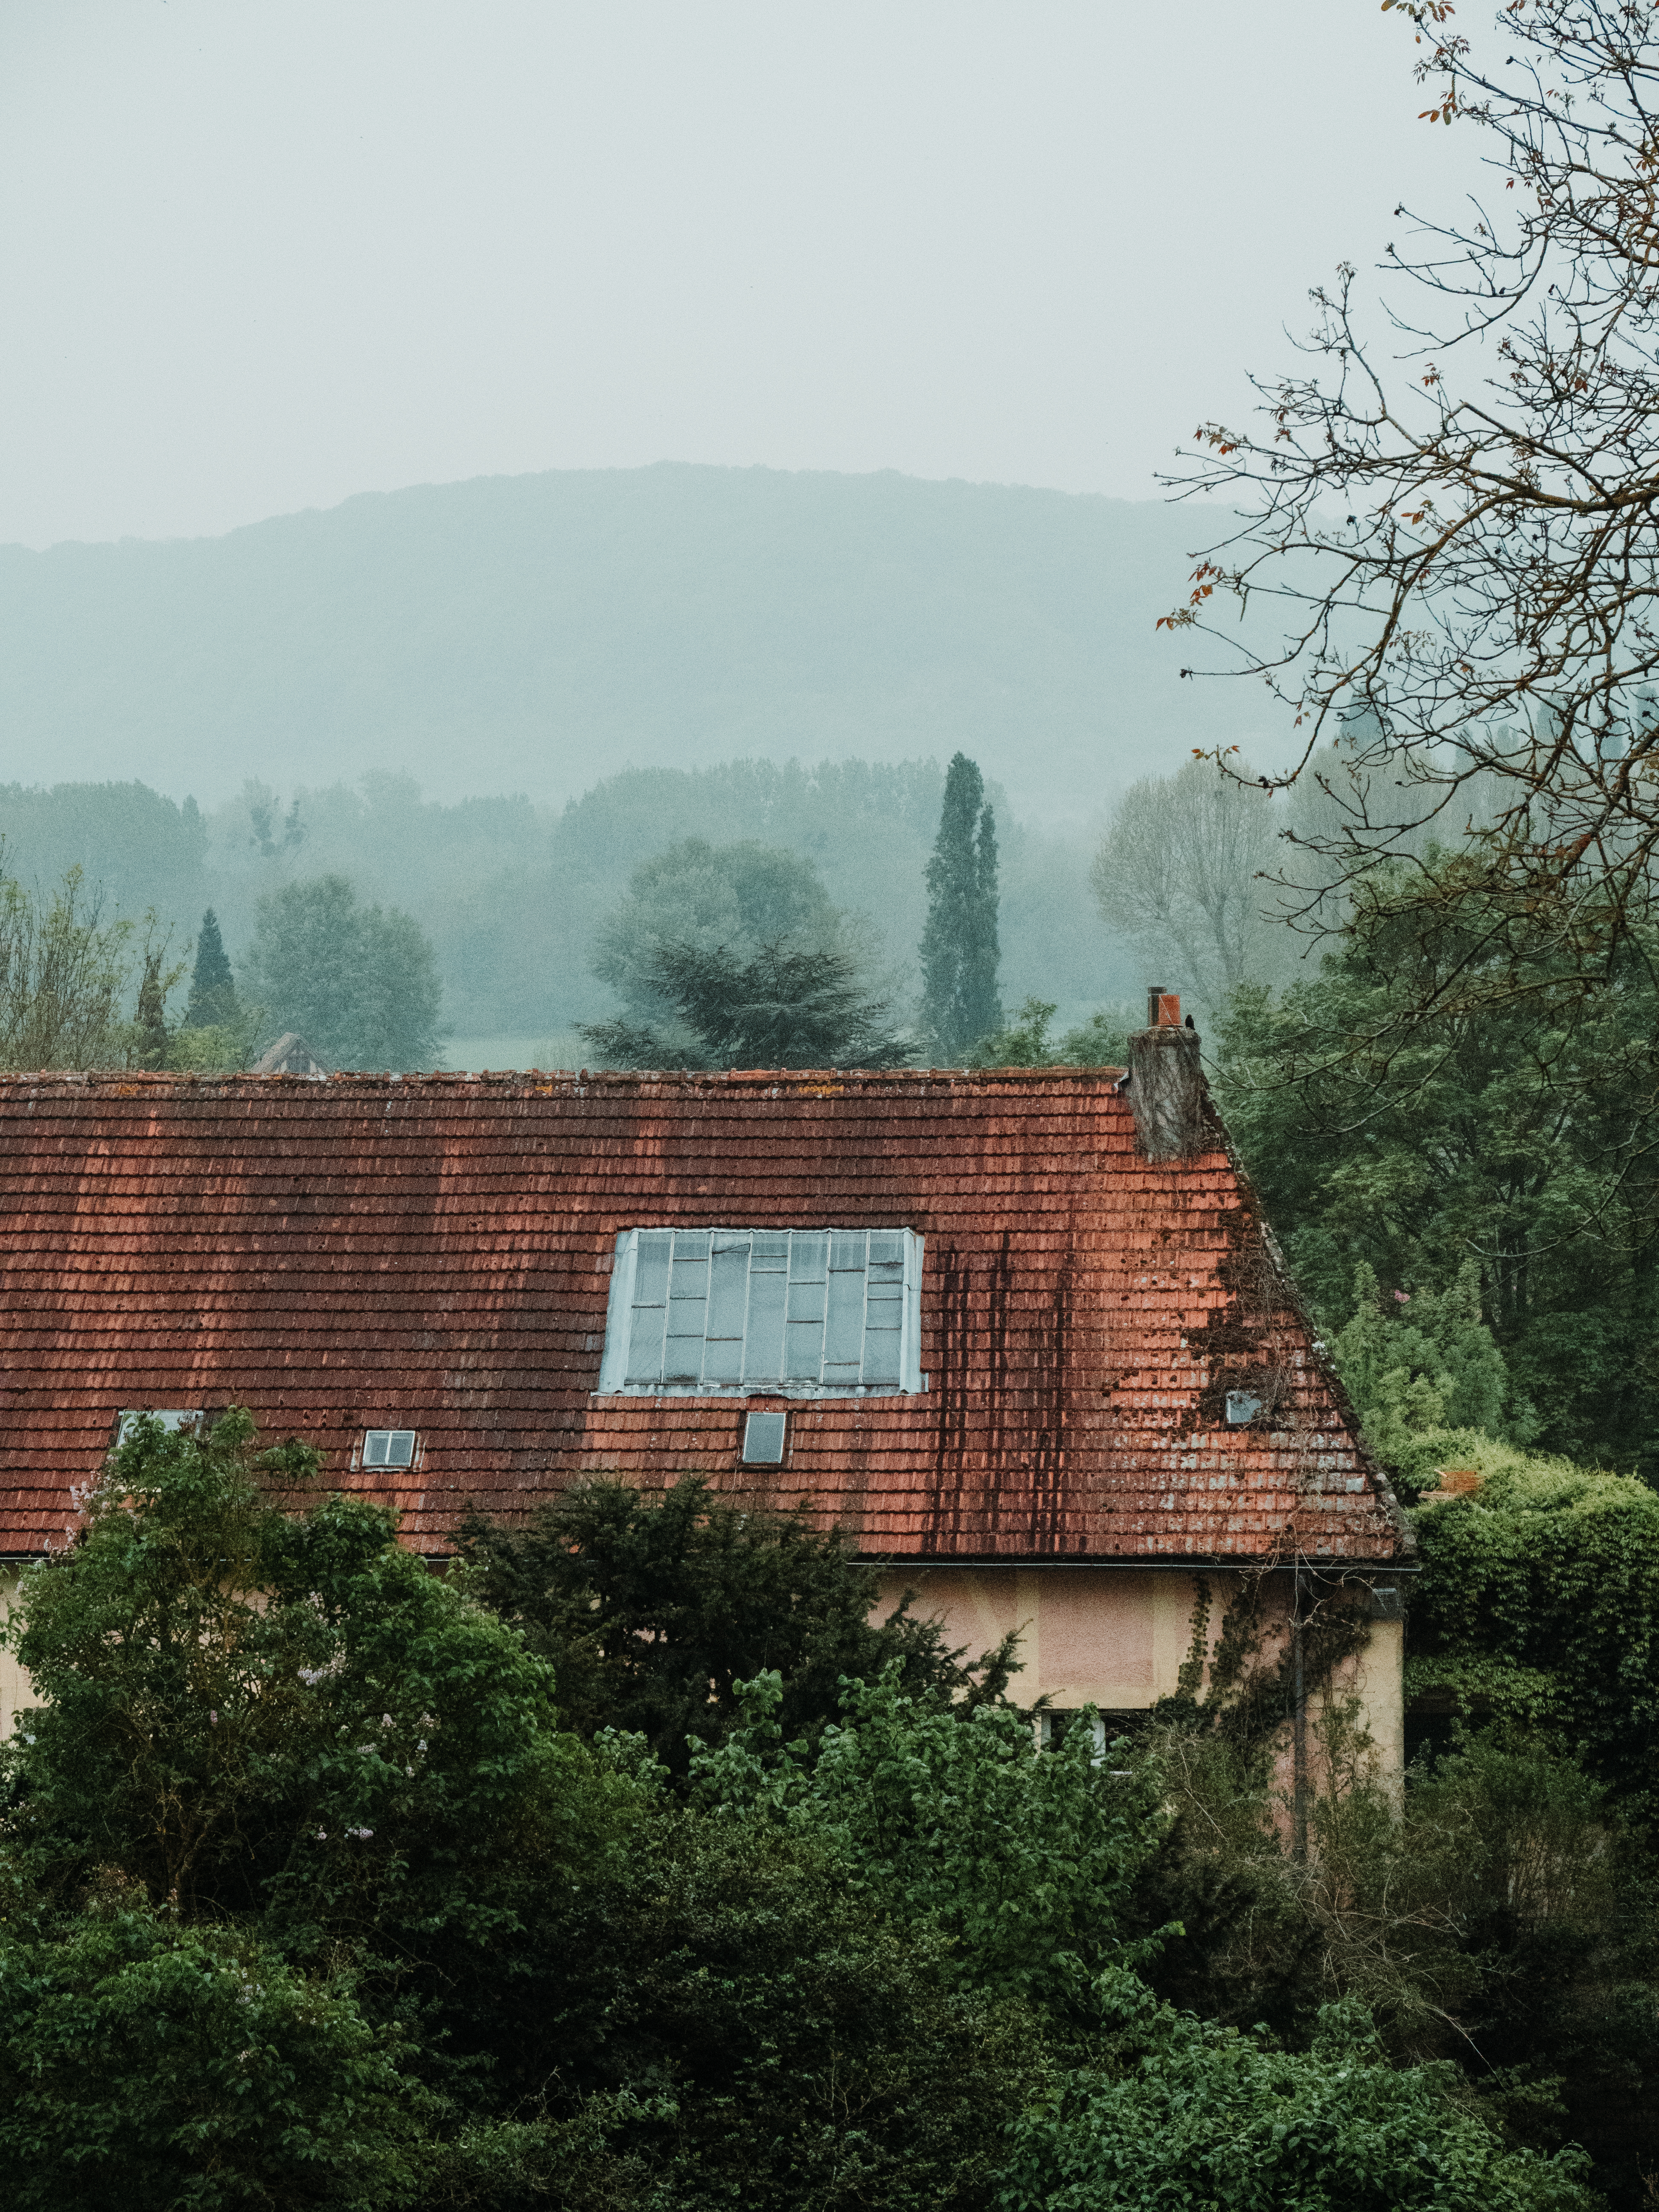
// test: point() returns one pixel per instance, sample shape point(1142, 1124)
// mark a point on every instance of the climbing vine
point(1251, 1690)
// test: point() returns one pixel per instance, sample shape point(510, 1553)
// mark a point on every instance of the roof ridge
point(129, 1081)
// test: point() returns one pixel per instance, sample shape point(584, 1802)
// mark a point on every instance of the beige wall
point(15, 1689)
point(1117, 1638)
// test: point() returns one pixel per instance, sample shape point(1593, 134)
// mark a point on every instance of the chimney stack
point(1165, 1082)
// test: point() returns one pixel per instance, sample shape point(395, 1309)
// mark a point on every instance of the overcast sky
point(256, 255)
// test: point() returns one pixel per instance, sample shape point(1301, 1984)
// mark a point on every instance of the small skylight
point(762, 1439)
point(171, 1416)
point(388, 1447)
point(1242, 1406)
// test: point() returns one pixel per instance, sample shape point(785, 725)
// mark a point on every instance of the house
point(291, 1055)
point(1024, 1332)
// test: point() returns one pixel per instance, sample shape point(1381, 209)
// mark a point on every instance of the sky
point(260, 255)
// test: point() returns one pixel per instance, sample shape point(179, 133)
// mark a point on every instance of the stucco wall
point(1117, 1638)
point(15, 1688)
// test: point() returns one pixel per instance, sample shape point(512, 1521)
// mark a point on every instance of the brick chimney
point(1165, 1083)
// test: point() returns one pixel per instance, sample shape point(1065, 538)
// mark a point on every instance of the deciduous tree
point(359, 982)
point(1445, 537)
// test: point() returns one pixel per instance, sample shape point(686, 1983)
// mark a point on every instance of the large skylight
point(809, 1313)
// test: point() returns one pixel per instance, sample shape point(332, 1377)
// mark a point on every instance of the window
point(389, 1448)
point(762, 1439)
point(170, 1417)
point(1053, 1727)
point(807, 1313)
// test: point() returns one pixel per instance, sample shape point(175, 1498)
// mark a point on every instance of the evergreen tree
point(1426, 1360)
point(212, 991)
point(959, 947)
point(779, 1009)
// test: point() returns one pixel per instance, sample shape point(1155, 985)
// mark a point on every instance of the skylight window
point(805, 1313)
point(172, 1417)
point(762, 1439)
point(388, 1447)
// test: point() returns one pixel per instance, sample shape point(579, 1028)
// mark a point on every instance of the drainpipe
point(1298, 1727)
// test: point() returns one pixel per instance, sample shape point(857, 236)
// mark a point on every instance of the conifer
point(960, 952)
point(212, 990)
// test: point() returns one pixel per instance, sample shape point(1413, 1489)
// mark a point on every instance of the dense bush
point(1538, 1601)
point(144, 2063)
point(1187, 2116)
point(652, 1609)
point(309, 1899)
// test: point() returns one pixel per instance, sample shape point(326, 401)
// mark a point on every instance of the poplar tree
point(152, 1026)
point(959, 947)
point(212, 990)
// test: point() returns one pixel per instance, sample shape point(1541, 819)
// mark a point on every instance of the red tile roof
point(433, 1253)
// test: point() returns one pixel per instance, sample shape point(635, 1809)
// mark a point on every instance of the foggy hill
point(532, 634)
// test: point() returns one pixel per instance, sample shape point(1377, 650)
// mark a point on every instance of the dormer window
point(798, 1313)
point(389, 1448)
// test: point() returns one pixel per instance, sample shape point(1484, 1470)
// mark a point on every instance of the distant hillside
point(533, 633)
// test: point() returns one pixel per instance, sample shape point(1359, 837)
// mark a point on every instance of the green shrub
point(1189, 2116)
point(145, 2065)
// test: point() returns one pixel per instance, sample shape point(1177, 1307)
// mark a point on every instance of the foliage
point(1431, 1367)
point(245, 1707)
point(1188, 2114)
point(1101, 1041)
point(1177, 874)
point(740, 897)
point(1538, 1600)
point(1026, 1858)
point(308, 1900)
point(1454, 533)
point(358, 982)
point(63, 977)
point(144, 2065)
point(960, 952)
point(1412, 1144)
point(278, 1746)
point(213, 1003)
point(517, 897)
point(771, 2038)
point(1506, 1920)
point(778, 1009)
point(651, 1611)
point(149, 1045)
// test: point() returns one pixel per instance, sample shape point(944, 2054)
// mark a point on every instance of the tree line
point(512, 895)
point(722, 955)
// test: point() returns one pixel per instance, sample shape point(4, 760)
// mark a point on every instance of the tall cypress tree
point(212, 991)
point(959, 948)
